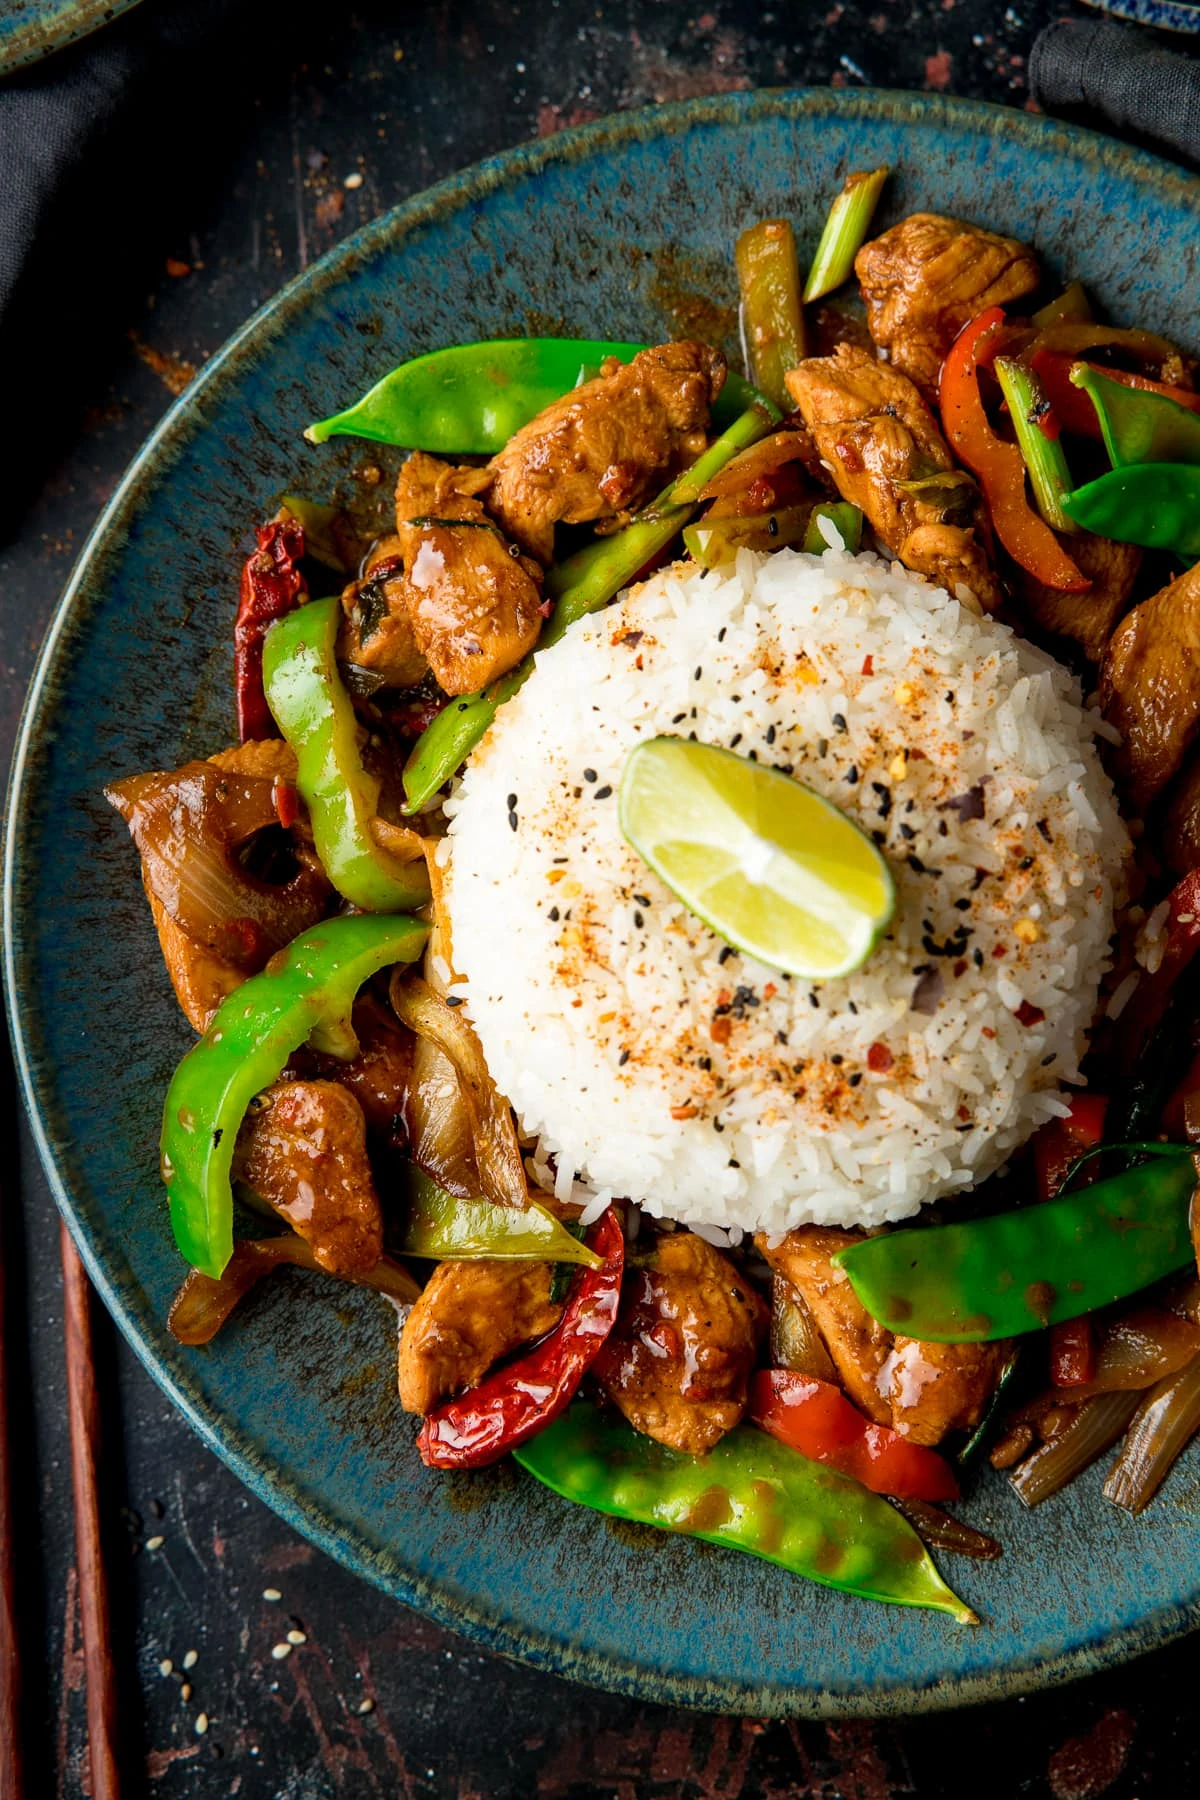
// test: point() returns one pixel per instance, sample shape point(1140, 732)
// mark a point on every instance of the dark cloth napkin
point(1098, 73)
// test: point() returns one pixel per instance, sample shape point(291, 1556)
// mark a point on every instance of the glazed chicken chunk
point(303, 1149)
point(679, 1358)
point(1089, 618)
point(605, 446)
point(928, 277)
point(473, 602)
point(877, 435)
point(921, 1390)
point(1150, 685)
point(376, 632)
point(468, 1316)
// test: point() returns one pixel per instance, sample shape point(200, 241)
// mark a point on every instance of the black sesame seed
point(726, 953)
point(512, 819)
point(822, 746)
point(907, 833)
point(511, 802)
point(853, 1007)
point(885, 798)
point(721, 634)
point(734, 1163)
point(785, 768)
point(454, 999)
point(642, 899)
point(699, 672)
point(735, 740)
point(752, 755)
point(560, 859)
point(770, 734)
point(949, 696)
point(772, 526)
point(963, 905)
point(943, 830)
point(839, 720)
point(879, 837)
point(679, 718)
point(589, 775)
point(837, 1060)
point(916, 865)
point(851, 776)
point(602, 793)
point(691, 737)
point(623, 1059)
point(705, 1062)
point(717, 1125)
point(781, 1037)
point(1044, 828)
point(977, 957)
point(638, 920)
point(1047, 1060)
point(554, 914)
point(853, 1080)
point(813, 1000)
point(1026, 862)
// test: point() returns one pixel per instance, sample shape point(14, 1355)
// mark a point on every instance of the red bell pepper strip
point(1072, 1353)
point(815, 1418)
point(1071, 406)
point(999, 464)
point(271, 586)
point(1063, 1141)
point(515, 1402)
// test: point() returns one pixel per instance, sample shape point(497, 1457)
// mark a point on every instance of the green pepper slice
point(582, 584)
point(1154, 504)
point(308, 987)
point(469, 400)
point(314, 712)
point(1019, 1271)
point(1137, 426)
point(748, 1493)
point(440, 1226)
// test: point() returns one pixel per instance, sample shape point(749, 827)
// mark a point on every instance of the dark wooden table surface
point(305, 123)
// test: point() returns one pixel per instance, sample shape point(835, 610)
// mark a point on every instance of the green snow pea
point(846, 520)
point(1137, 426)
point(1019, 1271)
point(305, 992)
point(470, 399)
point(582, 584)
point(314, 712)
point(1155, 504)
point(439, 1225)
point(748, 1493)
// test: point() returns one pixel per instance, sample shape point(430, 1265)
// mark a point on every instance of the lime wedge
point(770, 866)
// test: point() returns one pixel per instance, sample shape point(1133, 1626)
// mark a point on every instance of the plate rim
point(296, 1505)
point(31, 40)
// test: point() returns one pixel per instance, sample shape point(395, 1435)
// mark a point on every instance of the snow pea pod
point(1154, 504)
point(1139, 427)
point(749, 1493)
point(439, 1225)
point(469, 400)
point(582, 584)
point(1019, 1271)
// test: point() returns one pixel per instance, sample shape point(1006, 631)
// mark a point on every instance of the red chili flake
point(770, 991)
point(879, 1059)
point(960, 968)
point(1000, 950)
point(1027, 1014)
point(271, 586)
point(868, 667)
point(546, 608)
point(964, 1115)
point(986, 1031)
point(287, 803)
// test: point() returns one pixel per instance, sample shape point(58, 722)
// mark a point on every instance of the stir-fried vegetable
point(1156, 505)
point(815, 1418)
point(1139, 427)
point(581, 585)
point(795, 1341)
point(1044, 456)
point(1090, 1432)
point(1071, 306)
point(999, 464)
point(316, 716)
point(748, 1493)
point(1017, 1271)
point(772, 312)
point(522, 1397)
point(271, 586)
point(306, 992)
point(844, 233)
point(942, 1531)
point(1165, 1422)
point(439, 1225)
point(203, 1304)
point(846, 522)
point(468, 400)
point(714, 541)
point(1132, 1351)
point(328, 536)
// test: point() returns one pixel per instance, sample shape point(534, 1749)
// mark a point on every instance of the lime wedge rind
point(771, 867)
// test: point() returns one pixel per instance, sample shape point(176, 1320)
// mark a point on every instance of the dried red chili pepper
point(1072, 1353)
point(513, 1404)
point(271, 586)
point(815, 1418)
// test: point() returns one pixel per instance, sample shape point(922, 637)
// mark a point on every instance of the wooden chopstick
point(12, 1781)
point(84, 1414)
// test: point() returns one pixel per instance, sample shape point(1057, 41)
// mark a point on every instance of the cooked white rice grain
point(651, 1060)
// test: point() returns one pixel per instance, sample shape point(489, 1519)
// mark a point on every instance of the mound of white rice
point(653, 1062)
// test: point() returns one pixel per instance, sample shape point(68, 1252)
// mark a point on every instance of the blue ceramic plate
point(30, 29)
point(624, 228)
point(1167, 15)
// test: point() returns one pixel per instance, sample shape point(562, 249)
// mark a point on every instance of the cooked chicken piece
point(1181, 828)
point(875, 432)
point(472, 601)
point(1088, 618)
point(379, 1075)
point(303, 1149)
point(1150, 685)
point(469, 1315)
point(921, 1390)
point(678, 1360)
point(269, 759)
point(376, 632)
point(606, 445)
point(928, 277)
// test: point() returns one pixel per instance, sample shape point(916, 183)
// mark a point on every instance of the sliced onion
point(760, 459)
point(1097, 1425)
point(493, 1134)
point(202, 1305)
point(188, 826)
point(796, 1343)
point(1164, 1424)
point(438, 1122)
point(1138, 1349)
point(942, 1531)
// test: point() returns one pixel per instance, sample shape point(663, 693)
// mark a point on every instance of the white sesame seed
point(201, 1724)
point(165, 1666)
point(353, 181)
point(154, 1543)
point(296, 1637)
point(272, 1594)
point(185, 1692)
point(279, 1651)
point(366, 1706)
point(191, 1659)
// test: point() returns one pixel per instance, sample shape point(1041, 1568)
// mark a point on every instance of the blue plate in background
point(1166, 15)
point(31, 29)
point(625, 229)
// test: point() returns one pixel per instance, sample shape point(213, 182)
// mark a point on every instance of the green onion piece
point(1044, 457)
point(845, 233)
point(1071, 307)
point(846, 520)
point(772, 313)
